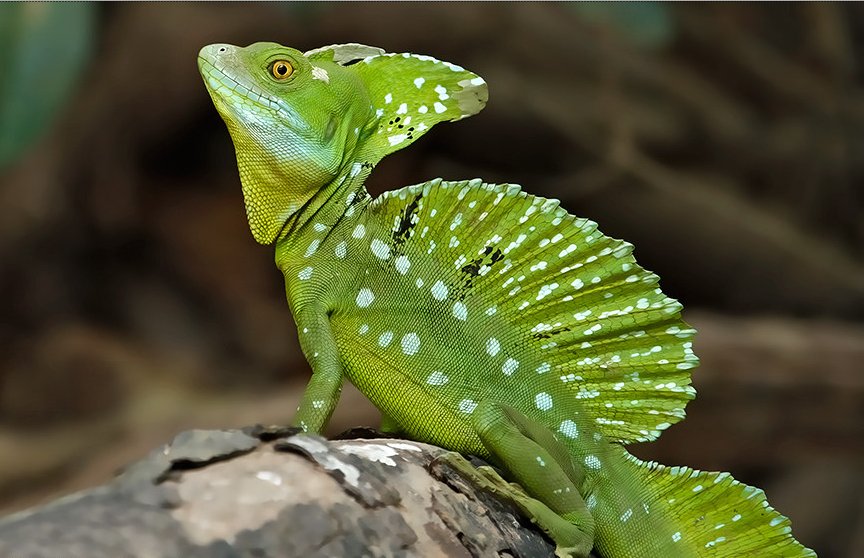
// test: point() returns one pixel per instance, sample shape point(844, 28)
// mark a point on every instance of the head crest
point(410, 93)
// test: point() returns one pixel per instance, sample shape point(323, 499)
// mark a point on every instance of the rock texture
point(268, 492)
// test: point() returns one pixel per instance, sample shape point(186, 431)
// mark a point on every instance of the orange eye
point(281, 69)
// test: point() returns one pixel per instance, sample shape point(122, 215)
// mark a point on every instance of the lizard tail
point(714, 515)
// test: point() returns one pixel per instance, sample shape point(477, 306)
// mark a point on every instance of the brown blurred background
point(725, 141)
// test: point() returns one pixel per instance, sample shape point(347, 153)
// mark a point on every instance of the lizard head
point(289, 122)
point(299, 121)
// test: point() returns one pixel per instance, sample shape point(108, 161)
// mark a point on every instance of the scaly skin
point(475, 316)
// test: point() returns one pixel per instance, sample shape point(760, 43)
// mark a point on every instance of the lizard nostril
point(221, 49)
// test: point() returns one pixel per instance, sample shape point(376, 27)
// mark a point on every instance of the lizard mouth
point(223, 87)
point(222, 84)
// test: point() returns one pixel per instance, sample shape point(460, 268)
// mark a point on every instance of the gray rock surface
point(268, 492)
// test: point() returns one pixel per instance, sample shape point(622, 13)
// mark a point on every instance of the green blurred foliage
point(44, 48)
point(645, 24)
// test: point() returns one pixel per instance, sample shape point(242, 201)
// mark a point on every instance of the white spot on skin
point(388, 98)
point(341, 250)
point(419, 82)
point(385, 338)
point(410, 344)
point(439, 108)
point(546, 290)
point(676, 536)
point(492, 346)
point(569, 429)
point(320, 74)
point(566, 251)
point(380, 249)
point(437, 379)
point(439, 290)
point(460, 311)
point(313, 247)
point(509, 366)
point(305, 273)
point(540, 461)
point(359, 231)
point(626, 515)
point(592, 462)
point(457, 220)
point(442, 92)
point(397, 139)
point(543, 401)
point(365, 298)
point(467, 406)
point(403, 109)
point(363, 329)
point(543, 368)
point(402, 264)
point(423, 109)
point(579, 316)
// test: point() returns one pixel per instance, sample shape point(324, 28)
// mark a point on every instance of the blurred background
point(725, 141)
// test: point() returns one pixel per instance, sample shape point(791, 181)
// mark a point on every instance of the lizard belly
point(414, 398)
point(429, 370)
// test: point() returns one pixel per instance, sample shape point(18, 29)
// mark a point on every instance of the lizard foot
point(556, 527)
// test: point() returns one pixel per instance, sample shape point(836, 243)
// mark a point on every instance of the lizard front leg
point(324, 388)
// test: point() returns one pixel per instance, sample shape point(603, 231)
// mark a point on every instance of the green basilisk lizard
point(473, 315)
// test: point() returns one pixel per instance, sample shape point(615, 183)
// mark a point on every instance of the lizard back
point(471, 290)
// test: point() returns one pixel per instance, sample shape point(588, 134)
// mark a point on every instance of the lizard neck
point(331, 203)
point(314, 222)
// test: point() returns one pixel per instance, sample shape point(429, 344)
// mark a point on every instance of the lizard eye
point(281, 69)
